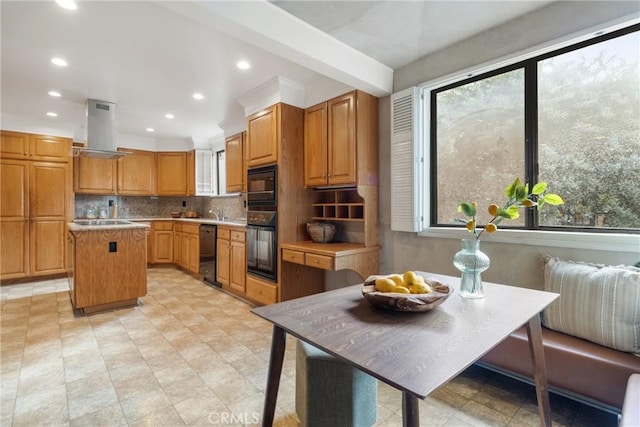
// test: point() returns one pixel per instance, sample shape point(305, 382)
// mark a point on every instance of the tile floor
point(189, 354)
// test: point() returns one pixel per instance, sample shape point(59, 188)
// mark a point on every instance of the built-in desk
point(316, 257)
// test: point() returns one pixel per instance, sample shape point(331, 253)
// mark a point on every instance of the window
point(569, 117)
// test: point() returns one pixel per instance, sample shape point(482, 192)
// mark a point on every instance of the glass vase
point(471, 261)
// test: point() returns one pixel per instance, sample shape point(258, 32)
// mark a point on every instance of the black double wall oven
point(262, 222)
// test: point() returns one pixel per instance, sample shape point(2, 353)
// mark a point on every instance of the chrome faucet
point(219, 213)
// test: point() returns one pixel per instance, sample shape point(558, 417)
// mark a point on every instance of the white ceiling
point(150, 57)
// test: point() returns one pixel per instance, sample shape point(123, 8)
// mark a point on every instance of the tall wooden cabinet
point(35, 205)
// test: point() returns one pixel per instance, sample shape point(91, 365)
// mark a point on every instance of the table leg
point(534, 334)
point(273, 380)
point(410, 410)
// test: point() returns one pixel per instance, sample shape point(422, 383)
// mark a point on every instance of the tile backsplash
point(161, 206)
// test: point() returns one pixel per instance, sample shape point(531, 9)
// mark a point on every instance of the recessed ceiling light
point(54, 93)
point(59, 61)
point(169, 116)
point(150, 129)
point(198, 96)
point(52, 114)
point(243, 65)
point(67, 4)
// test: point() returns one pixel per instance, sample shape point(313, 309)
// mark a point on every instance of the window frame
point(531, 232)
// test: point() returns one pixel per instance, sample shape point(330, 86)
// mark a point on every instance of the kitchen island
point(108, 264)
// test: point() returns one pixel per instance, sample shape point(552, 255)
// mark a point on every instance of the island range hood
point(100, 131)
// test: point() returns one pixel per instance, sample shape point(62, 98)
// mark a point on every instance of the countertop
point(100, 225)
point(135, 222)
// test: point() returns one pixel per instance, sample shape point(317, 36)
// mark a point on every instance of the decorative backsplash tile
point(161, 206)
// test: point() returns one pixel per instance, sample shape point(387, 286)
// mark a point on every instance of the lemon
point(411, 278)
point(420, 288)
point(398, 280)
point(401, 290)
point(385, 284)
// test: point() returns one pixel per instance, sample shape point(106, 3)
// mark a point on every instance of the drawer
point(293, 256)
point(319, 261)
point(177, 226)
point(224, 233)
point(163, 225)
point(260, 291)
point(191, 228)
point(237, 236)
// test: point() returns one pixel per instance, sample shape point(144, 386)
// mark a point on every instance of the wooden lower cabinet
point(231, 259)
point(186, 246)
point(261, 291)
point(161, 242)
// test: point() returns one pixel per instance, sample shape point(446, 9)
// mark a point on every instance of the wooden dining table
point(415, 352)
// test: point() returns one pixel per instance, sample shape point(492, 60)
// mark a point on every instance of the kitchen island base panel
point(101, 308)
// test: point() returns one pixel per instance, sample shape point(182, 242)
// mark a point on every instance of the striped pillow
point(598, 303)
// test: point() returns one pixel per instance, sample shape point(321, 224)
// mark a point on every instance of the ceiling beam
point(268, 27)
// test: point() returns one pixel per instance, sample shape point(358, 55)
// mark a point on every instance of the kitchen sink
point(102, 222)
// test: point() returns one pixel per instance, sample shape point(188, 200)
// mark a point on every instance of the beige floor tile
point(144, 402)
point(42, 407)
point(89, 395)
point(178, 391)
point(108, 416)
point(200, 407)
point(164, 417)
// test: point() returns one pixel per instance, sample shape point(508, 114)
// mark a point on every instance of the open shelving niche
point(343, 204)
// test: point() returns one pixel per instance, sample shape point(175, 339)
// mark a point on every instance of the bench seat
point(576, 368)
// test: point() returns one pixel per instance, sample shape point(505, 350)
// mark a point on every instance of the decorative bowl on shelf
point(321, 232)
point(407, 302)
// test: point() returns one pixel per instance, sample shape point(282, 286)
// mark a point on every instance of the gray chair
point(332, 393)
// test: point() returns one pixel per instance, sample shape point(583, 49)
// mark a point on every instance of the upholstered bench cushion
point(332, 393)
point(573, 364)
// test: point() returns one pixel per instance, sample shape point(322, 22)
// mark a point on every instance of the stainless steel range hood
point(100, 131)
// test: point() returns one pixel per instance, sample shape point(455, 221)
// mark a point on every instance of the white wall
point(514, 264)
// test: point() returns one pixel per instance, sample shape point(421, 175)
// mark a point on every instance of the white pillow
point(597, 302)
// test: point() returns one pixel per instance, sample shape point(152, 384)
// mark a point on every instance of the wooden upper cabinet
point(262, 134)
point(341, 149)
point(94, 175)
point(236, 165)
point(171, 169)
point(18, 145)
point(315, 145)
point(49, 148)
point(341, 140)
point(14, 145)
point(137, 173)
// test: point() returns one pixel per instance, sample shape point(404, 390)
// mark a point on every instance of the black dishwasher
point(208, 253)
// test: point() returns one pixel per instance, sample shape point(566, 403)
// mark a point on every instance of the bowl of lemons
point(409, 292)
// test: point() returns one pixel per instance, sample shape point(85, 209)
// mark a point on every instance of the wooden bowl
point(176, 214)
point(407, 302)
